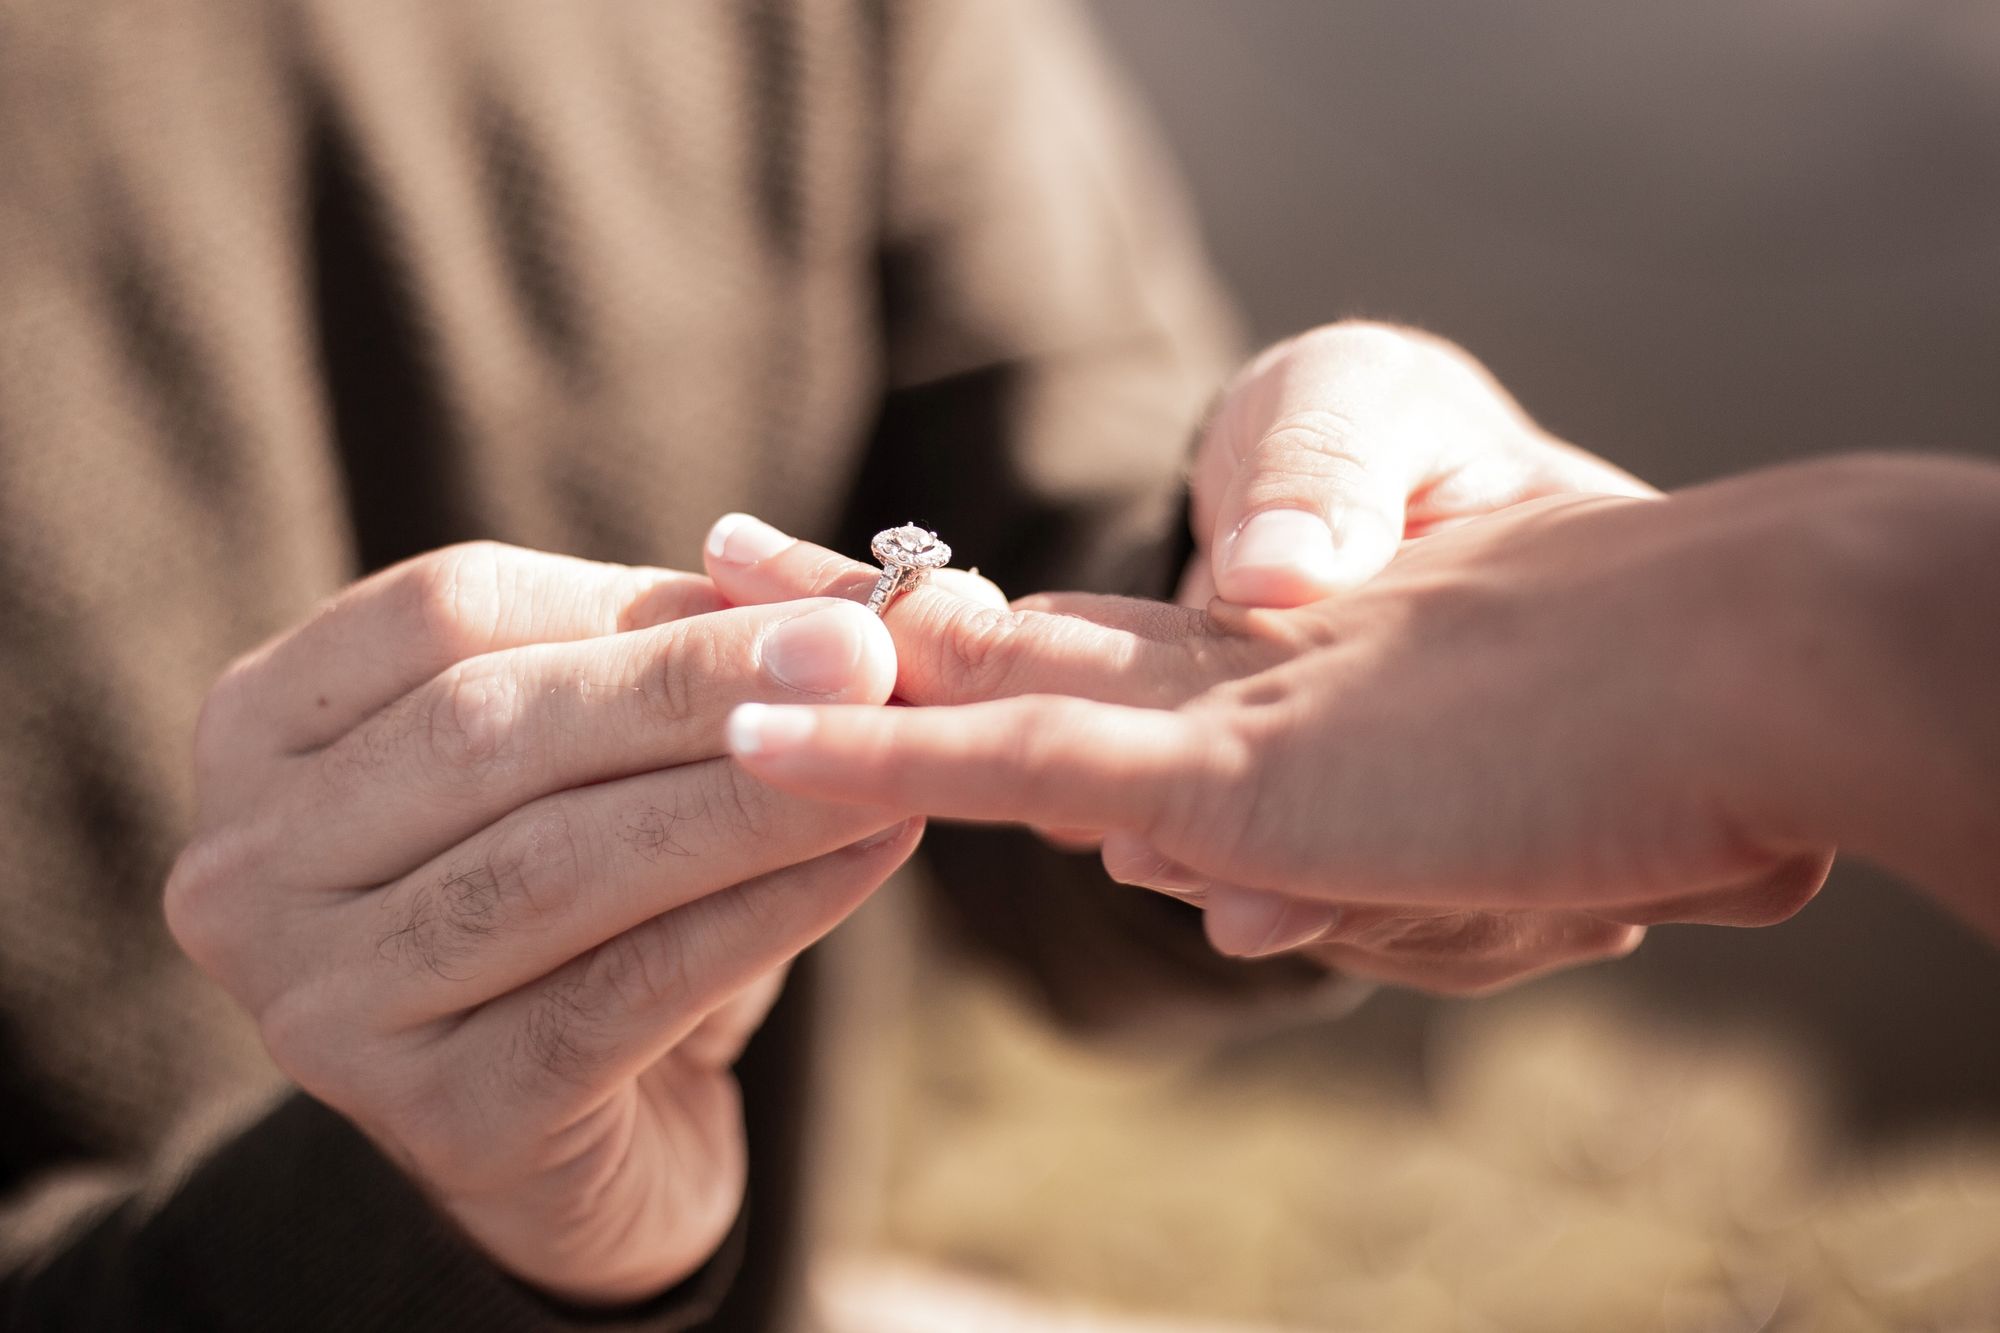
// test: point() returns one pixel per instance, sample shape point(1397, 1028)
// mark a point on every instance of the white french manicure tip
point(718, 535)
point(1288, 539)
point(745, 728)
point(760, 728)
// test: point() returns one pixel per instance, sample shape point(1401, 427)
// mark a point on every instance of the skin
point(1322, 455)
point(1331, 449)
point(473, 852)
point(473, 855)
point(955, 649)
point(1633, 710)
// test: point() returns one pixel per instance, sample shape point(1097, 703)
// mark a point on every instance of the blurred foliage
point(1567, 1166)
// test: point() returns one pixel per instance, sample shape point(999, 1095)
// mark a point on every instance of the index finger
point(951, 649)
point(1032, 760)
point(397, 628)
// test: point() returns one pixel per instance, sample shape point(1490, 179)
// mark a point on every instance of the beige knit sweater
point(293, 288)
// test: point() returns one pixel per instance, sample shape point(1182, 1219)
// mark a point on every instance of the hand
point(1185, 670)
point(473, 855)
point(1330, 449)
point(1544, 711)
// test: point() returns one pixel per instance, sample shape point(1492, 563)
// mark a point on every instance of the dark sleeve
point(1054, 333)
point(298, 1224)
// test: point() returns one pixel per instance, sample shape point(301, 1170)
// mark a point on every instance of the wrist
point(1852, 663)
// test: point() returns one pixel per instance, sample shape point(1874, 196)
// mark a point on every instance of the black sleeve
point(299, 1223)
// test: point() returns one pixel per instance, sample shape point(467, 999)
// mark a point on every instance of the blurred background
point(1695, 238)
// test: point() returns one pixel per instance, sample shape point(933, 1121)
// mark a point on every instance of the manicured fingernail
point(767, 728)
point(1130, 859)
point(1302, 924)
point(1255, 925)
point(1287, 551)
point(821, 652)
point(738, 539)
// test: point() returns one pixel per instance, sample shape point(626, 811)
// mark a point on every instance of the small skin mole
point(322, 701)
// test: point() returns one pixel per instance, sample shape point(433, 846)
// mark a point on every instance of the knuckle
point(195, 901)
point(552, 1038)
point(473, 721)
point(219, 724)
point(531, 872)
point(642, 971)
point(1320, 442)
point(972, 652)
point(206, 901)
point(1035, 750)
point(539, 861)
point(694, 656)
point(457, 595)
point(737, 802)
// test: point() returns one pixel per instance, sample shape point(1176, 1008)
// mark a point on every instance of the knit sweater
point(290, 289)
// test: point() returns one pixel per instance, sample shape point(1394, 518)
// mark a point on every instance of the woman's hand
point(473, 855)
point(1331, 448)
point(1555, 711)
point(1180, 685)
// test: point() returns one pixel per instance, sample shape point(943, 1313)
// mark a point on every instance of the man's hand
point(1164, 665)
point(1331, 448)
point(472, 852)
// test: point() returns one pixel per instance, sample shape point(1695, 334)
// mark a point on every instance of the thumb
point(1306, 515)
point(1305, 470)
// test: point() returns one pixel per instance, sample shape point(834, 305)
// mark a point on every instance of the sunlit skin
point(1629, 710)
point(1330, 449)
point(1323, 454)
point(472, 854)
point(1498, 720)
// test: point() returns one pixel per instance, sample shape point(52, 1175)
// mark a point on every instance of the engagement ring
point(906, 554)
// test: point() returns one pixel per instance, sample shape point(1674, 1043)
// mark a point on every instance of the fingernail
point(767, 728)
point(1256, 925)
point(821, 651)
point(1130, 859)
point(1302, 923)
point(1288, 553)
point(887, 835)
point(738, 539)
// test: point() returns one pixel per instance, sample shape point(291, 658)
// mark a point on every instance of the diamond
point(910, 547)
